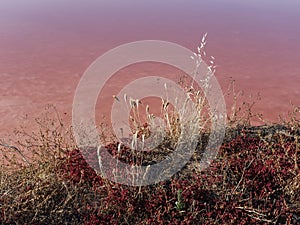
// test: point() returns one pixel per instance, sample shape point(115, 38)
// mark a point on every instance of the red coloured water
point(45, 47)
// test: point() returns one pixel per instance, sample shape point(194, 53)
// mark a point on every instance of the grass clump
point(254, 180)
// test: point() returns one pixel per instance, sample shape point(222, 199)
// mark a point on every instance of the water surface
point(45, 46)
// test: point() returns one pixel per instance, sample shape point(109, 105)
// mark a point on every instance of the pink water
point(45, 46)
